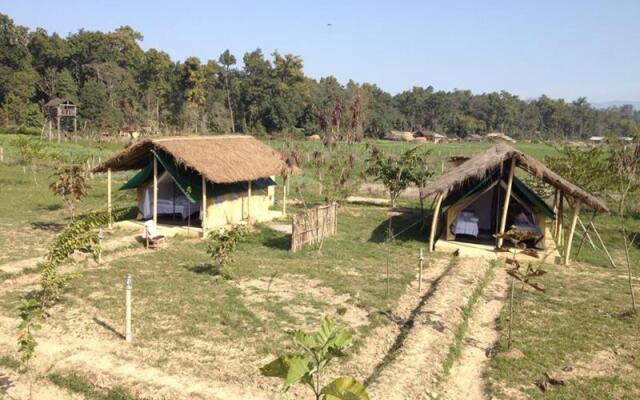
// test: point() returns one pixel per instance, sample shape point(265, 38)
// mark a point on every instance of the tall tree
point(228, 60)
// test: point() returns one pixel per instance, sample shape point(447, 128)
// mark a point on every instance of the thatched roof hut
point(483, 164)
point(219, 159)
point(481, 197)
point(223, 179)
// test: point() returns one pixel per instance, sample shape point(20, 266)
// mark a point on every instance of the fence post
point(128, 287)
point(1, 154)
point(420, 260)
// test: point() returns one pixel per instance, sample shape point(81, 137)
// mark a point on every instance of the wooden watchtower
point(58, 108)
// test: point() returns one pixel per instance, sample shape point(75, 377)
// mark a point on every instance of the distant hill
point(616, 103)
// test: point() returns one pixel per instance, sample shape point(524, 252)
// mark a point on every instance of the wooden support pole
point(560, 217)
point(249, 202)
point(434, 222)
point(58, 128)
point(1, 154)
point(613, 264)
point(109, 205)
point(554, 231)
point(507, 198)
point(586, 234)
point(284, 195)
point(572, 230)
point(128, 334)
point(50, 131)
point(155, 190)
point(204, 207)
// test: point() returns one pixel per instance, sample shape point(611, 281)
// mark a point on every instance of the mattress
point(466, 224)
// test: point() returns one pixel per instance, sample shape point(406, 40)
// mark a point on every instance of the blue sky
point(560, 48)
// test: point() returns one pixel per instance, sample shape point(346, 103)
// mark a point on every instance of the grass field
point(189, 318)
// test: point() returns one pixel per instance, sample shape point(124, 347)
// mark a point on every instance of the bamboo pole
point(249, 203)
point(572, 230)
point(434, 222)
point(555, 211)
point(613, 264)
point(109, 204)
point(505, 207)
point(284, 195)
point(586, 233)
point(155, 191)
point(204, 207)
point(1, 154)
point(560, 217)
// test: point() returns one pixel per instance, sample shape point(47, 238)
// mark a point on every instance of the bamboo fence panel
point(313, 225)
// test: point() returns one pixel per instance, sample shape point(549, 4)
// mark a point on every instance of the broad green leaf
point(298, 368)
point(345, 388)
point(290, 368)
point(277, 368)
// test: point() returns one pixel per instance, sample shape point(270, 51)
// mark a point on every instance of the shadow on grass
point(405, 328)
point(209, 269)
point(108, 327)
point(47, 226)
point(275, 240)
point(407, 226)
point(5, 384)
point(51, 207)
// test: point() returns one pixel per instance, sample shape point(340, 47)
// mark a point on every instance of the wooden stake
point(204, 207)
point(109, 205)
point(434, 222)
point(155, 190)
point(420, 260)
point(572, 230)
point(128, 288)
point(505, 207)
point(1, 154)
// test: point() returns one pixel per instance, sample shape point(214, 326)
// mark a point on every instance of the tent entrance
point(174, 207)
point(475, 217)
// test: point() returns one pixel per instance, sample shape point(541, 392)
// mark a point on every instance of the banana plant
point(315, 351)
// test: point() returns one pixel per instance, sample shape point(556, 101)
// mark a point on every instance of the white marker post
point(128, 287)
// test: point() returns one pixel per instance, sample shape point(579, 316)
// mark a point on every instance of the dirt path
point(385, 340)
point(411, 371)
point(465, 380)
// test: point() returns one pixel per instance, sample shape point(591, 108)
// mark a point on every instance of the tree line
point(117, 85)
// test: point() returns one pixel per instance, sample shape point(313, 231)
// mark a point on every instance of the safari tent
point(483, 196)
point(216, 180)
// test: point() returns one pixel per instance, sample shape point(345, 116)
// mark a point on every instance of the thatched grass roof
point(220, 159)
point(485, 163)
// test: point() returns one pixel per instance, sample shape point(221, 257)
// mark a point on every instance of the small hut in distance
point(431, 136)
point(58, 108)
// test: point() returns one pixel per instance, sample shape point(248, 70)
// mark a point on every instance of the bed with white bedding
point(466, 224)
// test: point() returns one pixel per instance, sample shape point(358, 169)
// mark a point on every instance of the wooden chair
point(152, 240)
